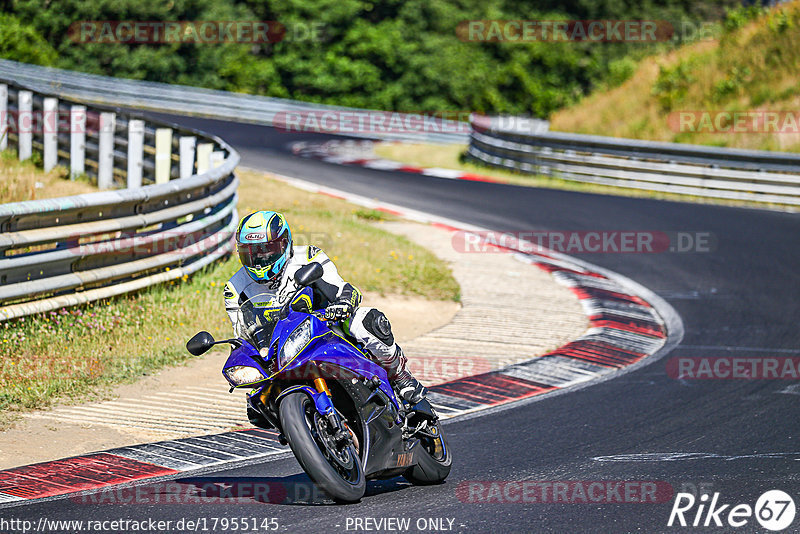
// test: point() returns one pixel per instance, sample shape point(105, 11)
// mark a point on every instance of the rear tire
point(297, 419)
point(434, 461)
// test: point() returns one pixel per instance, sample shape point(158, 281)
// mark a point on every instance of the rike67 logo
point(774, 510)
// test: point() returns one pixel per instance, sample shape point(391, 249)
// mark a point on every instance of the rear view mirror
point(200, 343)
point(308, 274)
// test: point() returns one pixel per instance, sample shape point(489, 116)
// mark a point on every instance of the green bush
point(620, 70)
point(672, 84)
point(21, 42)
point(731, 84)
point(741, 15)
point(780, 21)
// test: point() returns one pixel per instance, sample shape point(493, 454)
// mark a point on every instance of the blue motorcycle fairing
point(286, 326)
point(326, 346)
point(246, 355)
point(321, 400)
point(249, 355)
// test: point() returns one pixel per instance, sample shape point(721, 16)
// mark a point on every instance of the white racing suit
point(366, 325)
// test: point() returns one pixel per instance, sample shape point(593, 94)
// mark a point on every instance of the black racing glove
point(339, 310)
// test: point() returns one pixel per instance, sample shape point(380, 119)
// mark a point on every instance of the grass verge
point(80, 353)
point(449, 157)
point(22, 180)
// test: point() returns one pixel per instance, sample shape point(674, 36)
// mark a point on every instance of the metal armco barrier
point(175, 215)
point(223, 105)
point(753, 175)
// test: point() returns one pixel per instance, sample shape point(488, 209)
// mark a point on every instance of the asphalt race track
point(735, 437)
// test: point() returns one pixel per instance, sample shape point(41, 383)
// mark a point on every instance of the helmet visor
point(261, 255)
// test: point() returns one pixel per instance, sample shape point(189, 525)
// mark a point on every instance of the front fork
point(321, 386)
point(320, 394)
point(324, 403)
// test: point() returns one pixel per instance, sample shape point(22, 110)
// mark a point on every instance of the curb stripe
point(324, 152)
point(71, 475)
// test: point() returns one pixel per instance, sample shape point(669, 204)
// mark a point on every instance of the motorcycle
point(329, 401)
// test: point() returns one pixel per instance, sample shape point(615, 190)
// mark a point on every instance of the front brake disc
point(339, 455)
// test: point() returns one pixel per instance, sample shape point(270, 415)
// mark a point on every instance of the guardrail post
point(105, 156)
point(50, 133)
point(217, 157)
point(135, 153)
point(3, 116)
point(25, 124)
point(163, 154)
point(77, 141)
point(187, 144)
point(204, 157)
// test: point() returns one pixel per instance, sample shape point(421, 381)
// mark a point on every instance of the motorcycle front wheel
point(336, 469)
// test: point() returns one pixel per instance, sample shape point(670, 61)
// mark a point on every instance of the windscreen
point(260, 314)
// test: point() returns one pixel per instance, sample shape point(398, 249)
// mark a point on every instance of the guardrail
point(752, 175)
point(176, 216)
point(186, 100)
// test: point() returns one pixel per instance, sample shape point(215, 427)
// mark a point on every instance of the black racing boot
point(403, 382)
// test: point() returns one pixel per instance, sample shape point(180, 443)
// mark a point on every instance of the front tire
point(434, 461)
point(344, 483)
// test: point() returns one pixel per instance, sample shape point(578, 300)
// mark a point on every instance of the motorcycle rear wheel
point(433, 461)
point(342, 478)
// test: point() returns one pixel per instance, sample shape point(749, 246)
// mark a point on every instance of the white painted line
point(382, 165)
point(439, 172)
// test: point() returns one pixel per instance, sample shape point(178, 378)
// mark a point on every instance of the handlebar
point(319, 315)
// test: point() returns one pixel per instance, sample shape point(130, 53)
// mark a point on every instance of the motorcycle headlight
point(296, 341)
point(241, 375)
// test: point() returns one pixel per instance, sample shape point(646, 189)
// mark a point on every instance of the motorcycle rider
point(269, 262)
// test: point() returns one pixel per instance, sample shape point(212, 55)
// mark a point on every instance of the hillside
point(739, 90)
